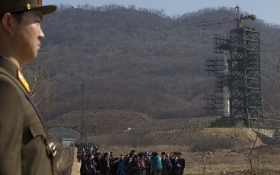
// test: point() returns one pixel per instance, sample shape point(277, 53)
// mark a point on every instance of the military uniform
point(22, 136)
point(23, 145)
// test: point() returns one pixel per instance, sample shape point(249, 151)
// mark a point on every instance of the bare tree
point(42, 91)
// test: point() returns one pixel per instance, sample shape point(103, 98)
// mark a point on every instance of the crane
point(239, 18)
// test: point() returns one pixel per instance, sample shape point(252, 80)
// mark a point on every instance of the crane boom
point(239, 18)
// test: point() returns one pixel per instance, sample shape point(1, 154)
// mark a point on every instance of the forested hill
point(133, 59)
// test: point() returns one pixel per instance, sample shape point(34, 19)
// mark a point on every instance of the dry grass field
point(218, 155)
point(207, 151)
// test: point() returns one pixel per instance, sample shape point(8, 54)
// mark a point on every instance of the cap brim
point(47, 9)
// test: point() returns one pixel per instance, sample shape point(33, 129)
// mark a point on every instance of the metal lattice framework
point(244, 79)
point(245, 75)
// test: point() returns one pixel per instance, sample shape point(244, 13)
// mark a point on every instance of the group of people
point(85, 148)
point(142, 163)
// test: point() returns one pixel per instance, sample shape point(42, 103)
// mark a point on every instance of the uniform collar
point(14, 71)
point(9, 66)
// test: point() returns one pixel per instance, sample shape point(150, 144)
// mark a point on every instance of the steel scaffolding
point(244, 75)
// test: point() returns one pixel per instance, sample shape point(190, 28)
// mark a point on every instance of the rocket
point(226, 90)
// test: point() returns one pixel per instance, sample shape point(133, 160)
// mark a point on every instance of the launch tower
point(238, 88)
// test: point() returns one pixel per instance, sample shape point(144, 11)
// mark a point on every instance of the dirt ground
point(219, 161)
point(238, 159)
point(75, 170)
point(207, 151)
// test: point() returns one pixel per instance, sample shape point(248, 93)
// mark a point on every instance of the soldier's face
point(27, 35)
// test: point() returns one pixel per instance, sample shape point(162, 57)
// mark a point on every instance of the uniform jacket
point(22, 136)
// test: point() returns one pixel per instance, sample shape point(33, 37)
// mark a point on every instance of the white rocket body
point(226, 90)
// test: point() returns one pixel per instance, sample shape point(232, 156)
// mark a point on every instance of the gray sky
point(267, 10)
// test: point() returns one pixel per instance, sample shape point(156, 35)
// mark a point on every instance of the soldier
point(23, 145)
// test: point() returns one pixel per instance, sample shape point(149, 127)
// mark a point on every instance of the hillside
point(110, 126)
point(135, 59)
point(110, 122)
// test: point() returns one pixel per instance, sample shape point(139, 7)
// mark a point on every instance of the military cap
point(14, 6)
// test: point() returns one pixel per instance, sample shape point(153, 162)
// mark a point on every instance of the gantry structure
point(242, 60)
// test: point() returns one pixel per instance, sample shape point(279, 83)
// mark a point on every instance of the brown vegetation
point(145, 70)
point(209, 151)
point(206, 150)
point(63, 161)
point(104, 122)
point(138, 59)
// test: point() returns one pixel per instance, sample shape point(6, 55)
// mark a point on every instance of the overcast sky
point(267, 10)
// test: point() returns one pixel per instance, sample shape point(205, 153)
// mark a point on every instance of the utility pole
point(83, 133)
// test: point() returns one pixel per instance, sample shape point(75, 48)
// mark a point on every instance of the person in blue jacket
point(121, 166)
point(156, 164)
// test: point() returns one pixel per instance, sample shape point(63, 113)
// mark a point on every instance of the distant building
point(66, 142)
